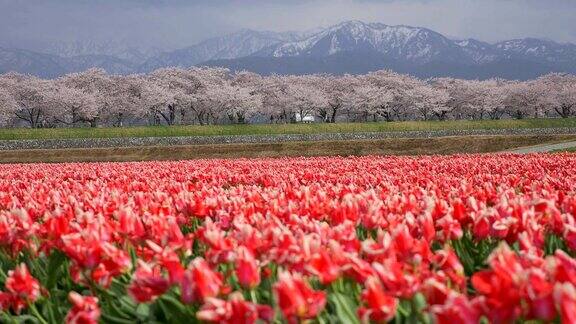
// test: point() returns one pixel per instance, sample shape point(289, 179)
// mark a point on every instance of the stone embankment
point(237, 139)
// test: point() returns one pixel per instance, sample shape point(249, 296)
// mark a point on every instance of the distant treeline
point(216, 96)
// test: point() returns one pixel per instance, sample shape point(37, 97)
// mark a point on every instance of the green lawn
point(154, 131)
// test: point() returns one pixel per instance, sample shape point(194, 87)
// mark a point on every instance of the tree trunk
point(424, 114)
point(441, 115)
point(334, 113)
point(241, 118)
point(200, 117)
point(323, 114)
point(170, 117)
point(120, 119)
point(387, 116)
point(36, 118)
point(565, 111)
point(182, 115)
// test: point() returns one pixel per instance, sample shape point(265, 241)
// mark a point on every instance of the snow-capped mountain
point(419, 45)
point(539, 50)
point(348, 47)
point(52, 66)
point(414, 44)
point(479, 52)
point(243, 43)
point(362, 47)
point(121, 50)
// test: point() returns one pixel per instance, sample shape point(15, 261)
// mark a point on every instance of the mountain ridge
point(347, 47)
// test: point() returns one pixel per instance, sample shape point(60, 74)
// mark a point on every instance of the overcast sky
point(179, 23)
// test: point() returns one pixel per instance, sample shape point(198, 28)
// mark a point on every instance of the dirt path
point(543, 148)
point(395, 146)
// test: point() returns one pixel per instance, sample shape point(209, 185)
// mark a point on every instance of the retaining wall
point(236, 139)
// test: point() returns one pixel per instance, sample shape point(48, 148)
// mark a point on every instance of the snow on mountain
point(121, 50)
point(477, 51)
point(358, 47)
point(243, 43)
point(51, 66)
point(348, 47)
point(539, 50)
point(396, 42)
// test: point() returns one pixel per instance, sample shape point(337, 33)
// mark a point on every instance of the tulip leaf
point(345, 308)
point(115, 320)
point(55, 260)
point(143, 311)
point(25, 319)
point(133, 258)
point(174, 310)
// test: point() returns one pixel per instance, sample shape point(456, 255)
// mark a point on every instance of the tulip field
point(431, 239)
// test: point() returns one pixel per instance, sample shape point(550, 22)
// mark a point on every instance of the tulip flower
point(84, 309)
point(247, 269)
point(378, 306)
point(296, 299)
point(21, 289)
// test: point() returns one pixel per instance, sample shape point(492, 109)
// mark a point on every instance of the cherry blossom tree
point(339, 90)
point(187, 87)
point(8, 106)
point(127, 102)
point(98, 84)
point(385, 94)
point(178, 87)
point(305, 100)
point(71, 105)
point(291, 98)
point(215, 95)
point(273, 91)
point(522, 100)
point(429, 101)
point(234, 98)
point(157, 101)
point(31, 96)
point(461, 96)
point(205, 105)
point(558, 93)
point(491, 96)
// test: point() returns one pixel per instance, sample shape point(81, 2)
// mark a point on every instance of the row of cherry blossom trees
point(216, 96)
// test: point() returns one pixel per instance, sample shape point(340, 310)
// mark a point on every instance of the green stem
point(37, 314)
point(7, 318)
point(253, 296)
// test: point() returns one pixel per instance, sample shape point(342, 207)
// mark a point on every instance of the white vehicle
point(304, 119)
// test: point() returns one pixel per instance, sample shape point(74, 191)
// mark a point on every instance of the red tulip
point(456, 309)
point(234, 311)
point(147, 284)
point(377, 304)
point(247, 269)
point(296, 298)
point(565, 296)
point(21, 289)
point(84, 309)
point(322, 266)
point(200, 282)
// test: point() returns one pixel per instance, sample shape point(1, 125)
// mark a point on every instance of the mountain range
point(349, 47)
